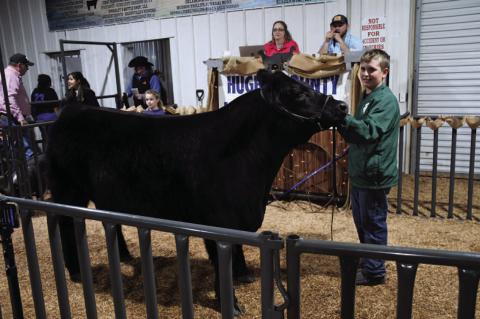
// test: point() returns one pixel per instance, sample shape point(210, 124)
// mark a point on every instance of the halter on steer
point(298, 117)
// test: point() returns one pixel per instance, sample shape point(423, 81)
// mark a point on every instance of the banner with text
point(232, 86)
point(72, 14)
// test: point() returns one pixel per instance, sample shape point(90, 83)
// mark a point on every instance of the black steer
point(212, 168)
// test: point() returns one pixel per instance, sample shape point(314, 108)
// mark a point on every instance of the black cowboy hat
point(139, 61)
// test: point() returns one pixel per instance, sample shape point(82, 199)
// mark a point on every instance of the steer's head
point(299, 102)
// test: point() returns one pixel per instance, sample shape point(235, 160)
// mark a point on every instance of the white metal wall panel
point(236, 30)
point(295, 19)
point(448, 73)
point(192, 39)
point(272, 15)
point(218, 34)
point(449, 57)
point(254, 27)
point(314, 20)
point(201, 50)
point(186, 62)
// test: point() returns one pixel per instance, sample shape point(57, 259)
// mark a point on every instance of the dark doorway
point(157, 52)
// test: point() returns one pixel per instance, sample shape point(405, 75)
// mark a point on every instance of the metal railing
point(268, 243)
point(434, 123)
point(407, 260)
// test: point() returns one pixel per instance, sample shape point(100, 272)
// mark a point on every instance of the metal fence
point(268, 243)
point(407, 260)
point(418, 125)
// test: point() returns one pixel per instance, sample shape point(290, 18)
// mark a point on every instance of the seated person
point(281, 48)
point(143, 79)
point(282, 40)
point(154, 103)
point(44, 92)
point(338, 41)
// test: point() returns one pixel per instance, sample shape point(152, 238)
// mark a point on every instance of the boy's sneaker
point(362, 280)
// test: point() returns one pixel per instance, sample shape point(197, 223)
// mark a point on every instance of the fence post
point(266, 270)
point(433, 211)
point(293, 277)
point(405, 283)
point(452, 173)
point(348, 266)
point(471, 172)
point(226, 281)
point(33, 267)
point(467, 292)
point(184, 276)
point(58, 266)
point(400, 170)
point(85, 268)
point(111, 236)
point(417, 170)
point(149, 286)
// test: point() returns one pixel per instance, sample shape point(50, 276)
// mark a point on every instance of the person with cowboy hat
point(143, 79)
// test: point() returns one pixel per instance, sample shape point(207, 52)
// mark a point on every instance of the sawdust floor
point(435, 289)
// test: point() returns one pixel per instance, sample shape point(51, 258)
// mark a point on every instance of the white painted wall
point(193, 39)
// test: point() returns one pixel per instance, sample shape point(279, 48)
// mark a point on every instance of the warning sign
point(373, 33)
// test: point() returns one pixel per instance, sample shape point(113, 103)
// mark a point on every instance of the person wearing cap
point(142, 80)
point(17, 95)
point(338, 40)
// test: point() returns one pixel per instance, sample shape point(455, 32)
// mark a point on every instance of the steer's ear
point(264, 77)
point(266, 80)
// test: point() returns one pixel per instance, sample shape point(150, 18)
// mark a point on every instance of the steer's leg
point(241, 273)
point(122, 245)
point(211, 247)
point(67, 233)
point(69, 247)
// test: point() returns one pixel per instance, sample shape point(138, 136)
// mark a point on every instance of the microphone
point(334, 41)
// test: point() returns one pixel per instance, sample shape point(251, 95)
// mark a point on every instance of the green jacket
point(373, 137)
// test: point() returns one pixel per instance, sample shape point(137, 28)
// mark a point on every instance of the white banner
point(232, 86)
point(71, 14)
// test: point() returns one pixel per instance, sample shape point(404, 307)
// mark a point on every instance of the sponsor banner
point(72, 14)
point(374, 33)
point(232, 86)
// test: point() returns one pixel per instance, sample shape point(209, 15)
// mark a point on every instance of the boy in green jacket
point(372, 159)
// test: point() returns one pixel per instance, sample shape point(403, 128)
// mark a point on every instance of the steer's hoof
point(238, 310)
point(75, 277)
point(245, 279)
point(125, 257)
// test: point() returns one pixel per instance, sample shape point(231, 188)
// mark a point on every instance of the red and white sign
point(373, 33)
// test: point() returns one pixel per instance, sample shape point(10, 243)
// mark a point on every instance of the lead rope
point(308, 176)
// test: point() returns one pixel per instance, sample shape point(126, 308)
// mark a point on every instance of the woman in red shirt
point(281, 40)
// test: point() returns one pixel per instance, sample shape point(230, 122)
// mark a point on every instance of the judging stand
point(233, 76)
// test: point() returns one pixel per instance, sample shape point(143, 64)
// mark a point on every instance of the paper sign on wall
point(373, 33)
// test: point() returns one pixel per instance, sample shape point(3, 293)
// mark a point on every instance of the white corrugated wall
point(448, 67)
point(194, 39)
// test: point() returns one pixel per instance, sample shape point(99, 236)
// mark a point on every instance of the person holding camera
point(338, 40)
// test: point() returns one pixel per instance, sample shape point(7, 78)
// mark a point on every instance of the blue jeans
point(369, 209)
point(26, 144)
